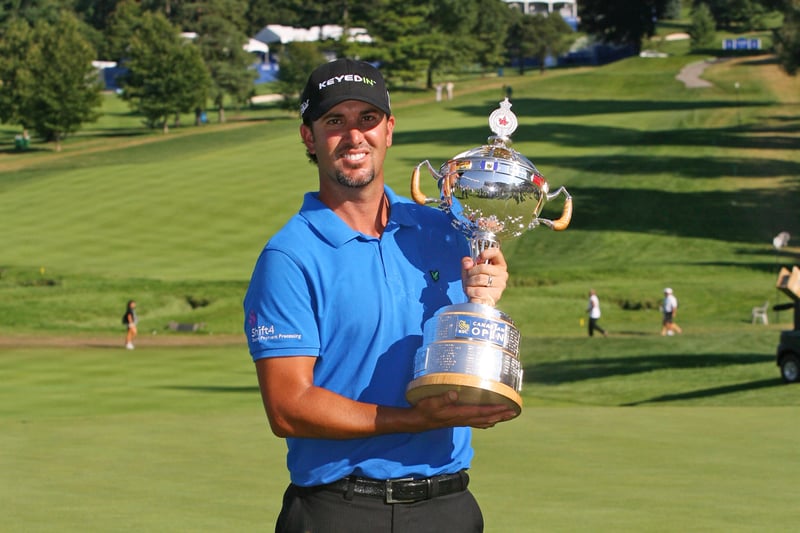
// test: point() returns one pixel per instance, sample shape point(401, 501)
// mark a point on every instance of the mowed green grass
point(98, 439)
point(635, 432)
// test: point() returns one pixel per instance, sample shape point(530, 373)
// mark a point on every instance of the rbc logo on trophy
point(492, 193)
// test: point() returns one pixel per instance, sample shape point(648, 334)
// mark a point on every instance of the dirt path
point(117, 341)
point(690, 74)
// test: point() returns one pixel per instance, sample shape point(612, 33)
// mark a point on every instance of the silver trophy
point(493, 193)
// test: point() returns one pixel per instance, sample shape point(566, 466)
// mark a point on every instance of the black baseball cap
point(340, 80)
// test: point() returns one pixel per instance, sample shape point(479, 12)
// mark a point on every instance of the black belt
point(400, 490)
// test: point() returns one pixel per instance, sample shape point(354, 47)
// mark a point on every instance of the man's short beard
point(345, 180)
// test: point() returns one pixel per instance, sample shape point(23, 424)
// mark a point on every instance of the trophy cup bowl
point(493, 193)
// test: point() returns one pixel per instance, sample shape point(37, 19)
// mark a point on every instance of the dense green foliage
point(297, 61)
point(625, 22)
point(47, 82)
point(167, 75)
point(787, 40)
point(65, 92)
point(744, 14)
point(538, 37)
point(220, 39)
point(702, 28)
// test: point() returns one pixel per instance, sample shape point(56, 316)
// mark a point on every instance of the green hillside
point(672, 186)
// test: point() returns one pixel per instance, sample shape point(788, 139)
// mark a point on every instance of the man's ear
point(389, 129)
point(308, 137)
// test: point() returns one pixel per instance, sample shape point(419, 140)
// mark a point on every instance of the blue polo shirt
point(358, 304)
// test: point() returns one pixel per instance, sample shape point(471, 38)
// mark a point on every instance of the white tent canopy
point(254, 45)
point(276, 33)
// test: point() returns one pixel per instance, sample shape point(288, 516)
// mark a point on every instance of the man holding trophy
point(334, 317)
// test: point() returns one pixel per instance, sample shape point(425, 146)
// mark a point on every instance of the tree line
point(47, 82)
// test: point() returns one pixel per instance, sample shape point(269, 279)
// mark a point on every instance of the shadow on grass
point(572, 371)
point(12, 150)
point(210, 388)
point(118, 133)
point(712, 391)
point(765, 266)
point(552, 107)
point(752, 216)
point(587, 136)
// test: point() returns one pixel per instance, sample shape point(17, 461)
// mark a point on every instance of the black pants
point(310, 510)
point(594, 326)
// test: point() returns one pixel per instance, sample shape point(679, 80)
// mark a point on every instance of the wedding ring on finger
point(489, 281)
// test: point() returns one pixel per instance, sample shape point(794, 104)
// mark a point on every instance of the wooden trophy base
point(472, 390)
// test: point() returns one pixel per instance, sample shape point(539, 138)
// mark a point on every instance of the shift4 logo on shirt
point(263, 333)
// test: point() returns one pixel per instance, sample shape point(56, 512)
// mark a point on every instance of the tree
point(624, 22)
point(449, 43)
point(520, 39)
point(400, 33)
point(220, 39)
point(31, 11)
point(702, 30)
point(96, 13)
point(67, 86)
point(537, 37)
point(416, 38)
point(54, 89)
point(736, 14)
point(122, 24)
point(297, 61)
point(787, 40)
point(672, 10)
point(16, 79)
point(166, 74)
point(493, 22)
point(556, 38)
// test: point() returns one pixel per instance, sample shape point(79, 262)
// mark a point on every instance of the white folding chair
point(760, 313)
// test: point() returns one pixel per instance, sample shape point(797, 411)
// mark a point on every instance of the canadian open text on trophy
point(493, 193)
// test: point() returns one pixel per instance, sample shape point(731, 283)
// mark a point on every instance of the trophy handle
point(562, 222)
point(416, 193)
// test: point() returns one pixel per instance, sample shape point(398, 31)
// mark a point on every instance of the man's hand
point(445, 411)
point(484, 278)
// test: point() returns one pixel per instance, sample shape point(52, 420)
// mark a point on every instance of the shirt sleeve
point(279, 312)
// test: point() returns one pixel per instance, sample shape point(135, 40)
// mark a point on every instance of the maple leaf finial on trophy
point(503, 122)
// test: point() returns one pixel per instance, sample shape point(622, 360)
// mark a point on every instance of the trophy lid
point(492, 191)
point(496, 161)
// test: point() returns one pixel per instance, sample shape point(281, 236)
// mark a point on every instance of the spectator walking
point(594, 314)
point(669, 309)
point(130, 321)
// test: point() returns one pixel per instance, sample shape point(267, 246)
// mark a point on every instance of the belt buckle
point(389, 491)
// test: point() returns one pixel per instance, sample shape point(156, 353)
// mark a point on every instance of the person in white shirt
point(594, 314)
point(669, 308)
